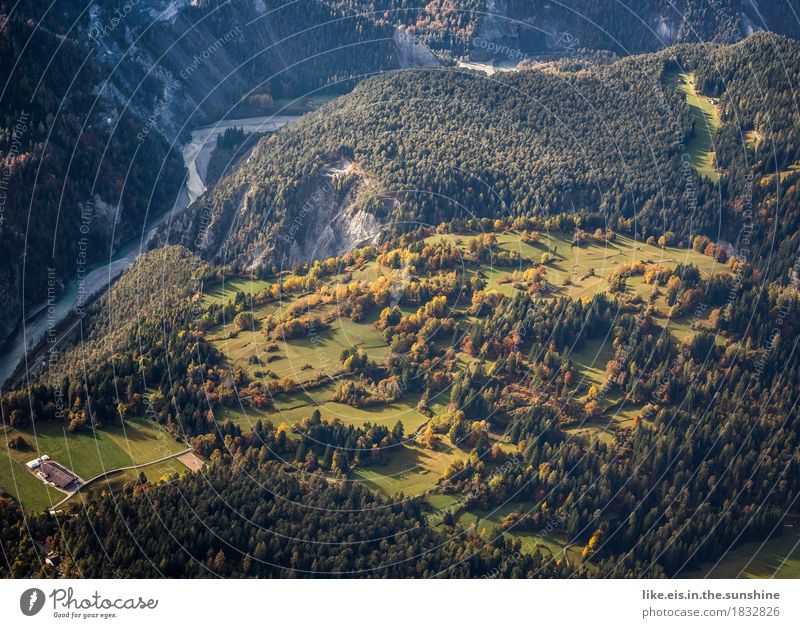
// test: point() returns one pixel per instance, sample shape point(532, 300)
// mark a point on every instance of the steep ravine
point(165, 66)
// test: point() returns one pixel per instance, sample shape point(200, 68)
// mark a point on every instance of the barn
point(53, 473)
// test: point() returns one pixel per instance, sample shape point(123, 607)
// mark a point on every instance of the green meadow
point(227, 289)
point(414, 470)
point(583, 271)
point(705, 114)
point(87, 453)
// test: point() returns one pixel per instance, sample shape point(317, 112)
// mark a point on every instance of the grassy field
point(403, 410)
point(86, 453)
point(302, 359)
point(684, 329)
point(583, 271)
point(604, 429)
point(226, 290)
point(591, 360)
point(777, 558)
point(245, 417)
point(440, 503)
point(413, 470)
point(439, 402)
point(18, 482)
point(705, 113)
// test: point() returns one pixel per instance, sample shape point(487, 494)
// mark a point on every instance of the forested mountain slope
point(135, 331)
point(486, 29)
point(77, 181)
point(609, 142)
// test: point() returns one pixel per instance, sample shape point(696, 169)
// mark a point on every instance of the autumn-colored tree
point(594, 542)
point(592, 408)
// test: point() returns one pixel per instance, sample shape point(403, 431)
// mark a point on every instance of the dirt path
point(104, 474)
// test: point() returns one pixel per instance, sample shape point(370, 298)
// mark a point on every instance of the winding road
point(105, 474)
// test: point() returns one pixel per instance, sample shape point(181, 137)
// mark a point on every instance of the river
point(196, 155)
